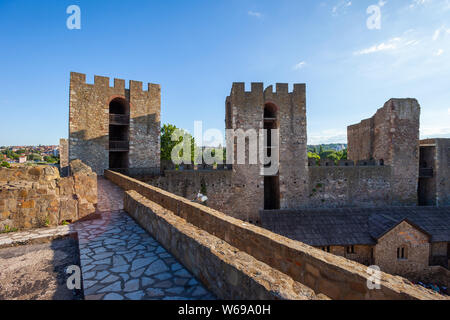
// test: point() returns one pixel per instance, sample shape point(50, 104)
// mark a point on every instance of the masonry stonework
point(34, 197)
point(325, 274)
point(391, 137)
point(416, 248)
point(246, 111)
point(64, 157)
point(90, 123)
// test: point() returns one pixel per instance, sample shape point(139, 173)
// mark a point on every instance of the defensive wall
point(325, 274)
point(36, 196)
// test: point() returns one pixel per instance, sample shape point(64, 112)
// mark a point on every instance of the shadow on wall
point(118, 145)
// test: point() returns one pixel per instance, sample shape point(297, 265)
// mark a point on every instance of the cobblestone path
point(120, 260)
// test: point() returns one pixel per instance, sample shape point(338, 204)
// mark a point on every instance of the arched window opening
point(270, 111)
point(119, 122)
point(119, 106)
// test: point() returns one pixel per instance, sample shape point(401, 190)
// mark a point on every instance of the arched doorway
point(119, 125)
point(271, 182)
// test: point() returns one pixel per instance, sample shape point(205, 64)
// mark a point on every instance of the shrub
point(5, 164)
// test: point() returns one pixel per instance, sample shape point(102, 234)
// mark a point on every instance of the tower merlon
point(153, 87)
point(257, 87)
point(101, 81)
point(77, 77)
point(238, 88)
point(282, 88)
point(136, 86)
point(300, 88)
point(119, 84)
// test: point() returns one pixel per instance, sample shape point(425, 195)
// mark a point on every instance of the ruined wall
point(64, 157)
point(443, 172)
point(360, 140)
point(417, 249)
point(391, 136)
point(89, 121)
point(33, 197)
point(359, 186)
point(324, 273)
point(245, 110)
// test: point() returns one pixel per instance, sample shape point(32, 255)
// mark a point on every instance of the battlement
point(79, 79)
point(238, 88)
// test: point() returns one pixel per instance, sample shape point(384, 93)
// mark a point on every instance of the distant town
point(11, 155)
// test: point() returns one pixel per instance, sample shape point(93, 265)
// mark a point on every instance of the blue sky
point(196, 49)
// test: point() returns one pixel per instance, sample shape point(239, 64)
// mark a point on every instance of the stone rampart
point(36, 196)
point(324, 273)
point(222, 268)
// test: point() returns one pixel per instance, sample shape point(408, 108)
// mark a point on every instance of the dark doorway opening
point(119, 127)
point(426, 192)
point(271, 183)
point(271, 193)
point(118, 160)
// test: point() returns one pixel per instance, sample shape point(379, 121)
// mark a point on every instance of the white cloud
point(255, 14)
point(438, 32)
point(300, 65)
point(391, 44)
point(417, 3)
point(439, 53)
point(340, 7)
point(327, 136)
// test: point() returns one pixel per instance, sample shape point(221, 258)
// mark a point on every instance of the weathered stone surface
point(260, 244)
point(89, 121)
point(34, 197)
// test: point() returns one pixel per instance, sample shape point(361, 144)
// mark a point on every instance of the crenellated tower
point(114, 127)
point(268, 109)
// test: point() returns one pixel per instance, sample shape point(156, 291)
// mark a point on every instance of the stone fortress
point(382, 189)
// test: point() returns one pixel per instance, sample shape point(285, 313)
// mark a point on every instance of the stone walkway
point(120, 260)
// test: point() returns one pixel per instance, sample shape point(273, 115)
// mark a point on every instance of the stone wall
point(417, 247)
point(335, 277)
point(363, 253)
point(363, 186)
point(33, 197)
point(223, 269)
point(392, 137)
point(218, 184)
point(89, 121)
point(245, 110)
point(439, 254)
point(442, 172)
point(64, 157)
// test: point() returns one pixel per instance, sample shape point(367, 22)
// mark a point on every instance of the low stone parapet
point(228, 272)
point(36, 196)
point(333, 276)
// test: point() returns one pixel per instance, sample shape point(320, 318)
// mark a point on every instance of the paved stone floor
point(120, 260)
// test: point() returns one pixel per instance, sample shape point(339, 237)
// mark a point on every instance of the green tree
point(167, 144)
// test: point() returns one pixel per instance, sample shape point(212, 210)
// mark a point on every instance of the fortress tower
point(114, 127)
point(265, 109)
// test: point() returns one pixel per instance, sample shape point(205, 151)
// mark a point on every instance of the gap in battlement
point(90, 79)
